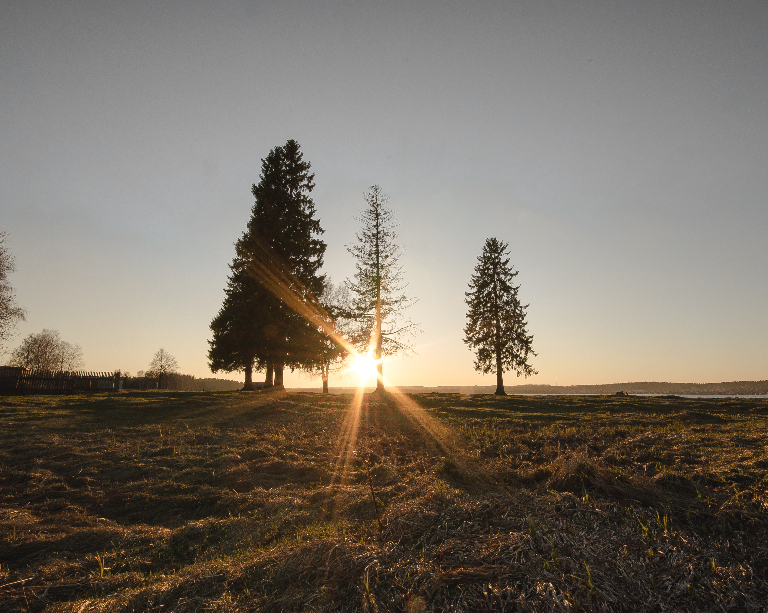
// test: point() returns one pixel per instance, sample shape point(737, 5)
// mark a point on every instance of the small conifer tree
point(497, 330)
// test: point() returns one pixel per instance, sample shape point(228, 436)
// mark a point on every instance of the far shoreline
point(724, 389)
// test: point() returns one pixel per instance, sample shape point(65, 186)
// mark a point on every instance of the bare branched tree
point(46, 351)
point(10, 312)
point(162, 365)
point(332, 348)
point(70, 356)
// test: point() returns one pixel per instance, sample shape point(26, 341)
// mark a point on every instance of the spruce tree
point(496, 330)
point(267, 318)
point(378, 298)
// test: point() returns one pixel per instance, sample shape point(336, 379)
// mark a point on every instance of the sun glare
point(365, 366)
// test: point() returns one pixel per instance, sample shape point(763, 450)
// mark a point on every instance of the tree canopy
point(496, 329)
point(162, 365)
point(46, 351)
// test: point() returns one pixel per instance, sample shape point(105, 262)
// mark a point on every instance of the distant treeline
point(642, 387)
point(747, 388)
point(185, 383)
point(650, 387)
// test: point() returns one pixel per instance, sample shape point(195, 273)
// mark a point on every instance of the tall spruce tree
point(378, 298)
point(267, 316)
point(496, 330)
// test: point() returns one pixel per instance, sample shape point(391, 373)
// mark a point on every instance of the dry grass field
point(152, 501)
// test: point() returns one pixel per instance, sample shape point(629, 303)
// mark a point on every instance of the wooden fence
point(15, 380)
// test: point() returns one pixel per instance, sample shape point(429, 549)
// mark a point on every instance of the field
point(231, 501)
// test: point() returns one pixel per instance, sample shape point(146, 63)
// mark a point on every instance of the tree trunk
point(269, 377)
point(379, 373)
point(248, 385)
point(379, 364)
point(499, 379)
point(499, 383)
point(377, 356)
point(497, 333)
point(324, 374)
point(279, 376)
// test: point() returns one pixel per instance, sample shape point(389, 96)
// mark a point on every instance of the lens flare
point(365, 366)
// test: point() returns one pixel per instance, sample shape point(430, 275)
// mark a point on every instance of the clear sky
point(620, 148)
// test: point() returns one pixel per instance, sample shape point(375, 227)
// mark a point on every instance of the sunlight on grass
point(346, 440)
point(436, 436)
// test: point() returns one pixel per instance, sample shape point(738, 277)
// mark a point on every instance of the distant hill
point(644, 387)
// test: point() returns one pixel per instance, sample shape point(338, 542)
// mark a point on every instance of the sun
point(365, 366)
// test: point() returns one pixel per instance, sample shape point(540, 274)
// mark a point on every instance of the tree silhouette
point(269, 317)
point(378, 298)
point(162, 365)
point(241, 330)
point(496, 330)
point(331, 343)
point(10, 312)
point(46, 351)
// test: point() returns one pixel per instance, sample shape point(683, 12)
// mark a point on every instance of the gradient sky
point(620, 148)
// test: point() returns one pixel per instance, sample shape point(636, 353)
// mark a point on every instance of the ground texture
point(152, 501)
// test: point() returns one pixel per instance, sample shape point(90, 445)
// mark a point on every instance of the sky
point(620, 148)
